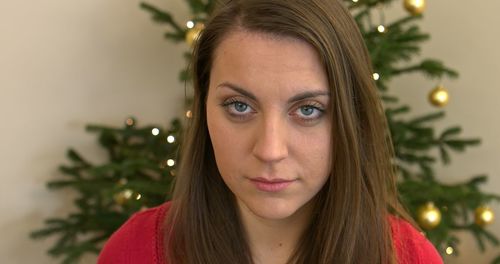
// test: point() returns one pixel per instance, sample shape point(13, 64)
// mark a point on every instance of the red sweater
point(140, 240)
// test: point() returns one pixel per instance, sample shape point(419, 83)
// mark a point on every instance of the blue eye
point(240, 107)
point(307, 110)
point(237, 109)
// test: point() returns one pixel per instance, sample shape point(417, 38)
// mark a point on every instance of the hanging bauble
point(194, 33)
point(130, 122)
point(484, 216)
point(439, 96)
point(414, 7)
point(428, 216)
point(123, 196)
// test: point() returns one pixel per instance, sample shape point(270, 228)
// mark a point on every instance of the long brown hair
point(350, 223)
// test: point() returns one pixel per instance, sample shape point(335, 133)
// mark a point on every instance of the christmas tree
point(142, 160)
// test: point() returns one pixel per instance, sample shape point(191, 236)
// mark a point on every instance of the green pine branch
point(176, 33)
point(135, 177)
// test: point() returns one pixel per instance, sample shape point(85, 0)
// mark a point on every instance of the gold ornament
point(189, 114)
point(414, 7)
point(439, 96)
point(123, 197)
point(194, 33)
point(484, 216)
point(130, 122)
point(428, 216)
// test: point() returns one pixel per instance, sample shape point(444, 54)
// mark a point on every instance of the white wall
point(64, 64)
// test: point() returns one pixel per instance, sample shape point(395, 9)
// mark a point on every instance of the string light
point(170, 139)
point(170, 162)
point(155, 131)
point(381, 29)
point(449, 250)
point(355, 1)
point(376, 76)
point(138, 197)
point(190, 24)
point(127, 193)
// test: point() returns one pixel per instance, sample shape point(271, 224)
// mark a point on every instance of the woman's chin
point(272, 210)
point(270, 214)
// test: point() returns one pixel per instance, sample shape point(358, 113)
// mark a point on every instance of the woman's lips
point(274, 185)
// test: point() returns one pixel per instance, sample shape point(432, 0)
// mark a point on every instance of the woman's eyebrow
point(295, 98)
point(307, 94)
point(238, 90)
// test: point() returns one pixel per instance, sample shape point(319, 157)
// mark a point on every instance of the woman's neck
point(274, 240)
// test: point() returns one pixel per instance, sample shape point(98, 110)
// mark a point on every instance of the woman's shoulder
point(412, 246)
point(139, 240)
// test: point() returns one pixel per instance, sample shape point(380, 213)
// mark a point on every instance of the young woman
point(287, 157)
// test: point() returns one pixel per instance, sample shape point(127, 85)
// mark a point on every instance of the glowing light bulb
point(170, 139)
point(170, 162)
point(190, 24)
point(376, 76)
point(127, 193)
point(449, 250)
point(155, 131)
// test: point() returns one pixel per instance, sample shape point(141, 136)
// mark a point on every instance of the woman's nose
point(271, 140)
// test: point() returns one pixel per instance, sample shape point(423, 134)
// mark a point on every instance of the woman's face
point(269, 123)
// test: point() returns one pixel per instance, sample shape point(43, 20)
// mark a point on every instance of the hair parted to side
point(350, 224)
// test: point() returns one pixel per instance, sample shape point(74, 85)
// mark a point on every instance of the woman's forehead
point(255, 59)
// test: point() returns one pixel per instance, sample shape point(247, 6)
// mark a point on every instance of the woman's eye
point(309, 112)
point(240, 107)
point(237, 108)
